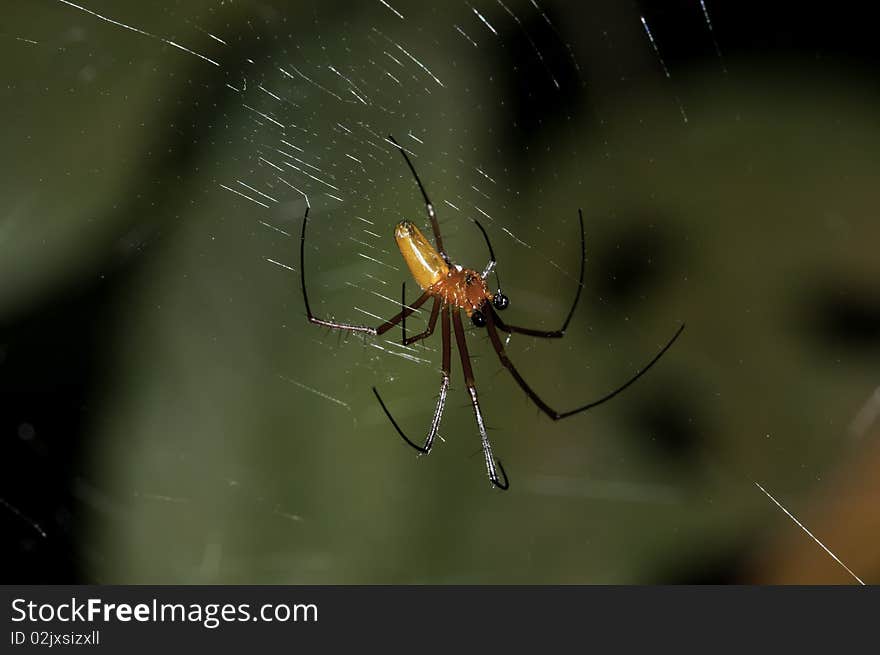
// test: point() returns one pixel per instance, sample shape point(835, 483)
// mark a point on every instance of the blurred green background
point(168, 415)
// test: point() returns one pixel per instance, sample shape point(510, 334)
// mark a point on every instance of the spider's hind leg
point(429, 207)
point(347, 327)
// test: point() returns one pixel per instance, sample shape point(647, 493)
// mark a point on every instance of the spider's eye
point(500, 300)
point(478, 319)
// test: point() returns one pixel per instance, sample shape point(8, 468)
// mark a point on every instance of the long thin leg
point(435, 226)
point(432, 322)
point(472, 392)
point(553, 334)
point(441, 399)
point(491, 265)
point(350, 327)
point(492, 317)
point(407, 310)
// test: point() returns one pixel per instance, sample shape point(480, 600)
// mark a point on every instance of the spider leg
point(441, 400)
point(542, 334)
point(553, 334)
point(350, 327)
point(432, 321)
point(478, 414)
point(407, 310)
point(492, 317)
point(491, 265)
point(435, 226)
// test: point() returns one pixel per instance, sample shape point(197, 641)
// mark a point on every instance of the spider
point(456, 289)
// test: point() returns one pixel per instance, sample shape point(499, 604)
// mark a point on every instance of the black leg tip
point(504, 486)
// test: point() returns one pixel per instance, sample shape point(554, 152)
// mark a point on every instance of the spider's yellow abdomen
point(425, 263)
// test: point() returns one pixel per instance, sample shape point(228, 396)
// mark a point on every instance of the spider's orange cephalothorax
point(463, 288)
point(452, 289)
point(459, 287)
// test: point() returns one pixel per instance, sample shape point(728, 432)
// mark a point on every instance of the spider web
point(181, 150)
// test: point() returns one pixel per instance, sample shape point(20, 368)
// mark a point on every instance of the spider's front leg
point(491, 462)
point(501, 301)
point(441, 399)
point(492, 319)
